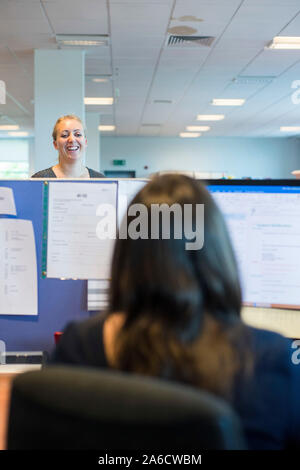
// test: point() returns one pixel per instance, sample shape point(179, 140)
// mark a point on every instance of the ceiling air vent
point(253, 79)
point(162, 101)
point(189, 41)
point(150, 125)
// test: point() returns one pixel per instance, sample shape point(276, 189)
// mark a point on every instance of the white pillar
point(93, 160)
point(58, 90)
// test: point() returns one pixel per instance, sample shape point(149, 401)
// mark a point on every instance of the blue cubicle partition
point(59, 301)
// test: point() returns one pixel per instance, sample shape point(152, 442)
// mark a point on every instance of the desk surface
point(283, 321)
point(13, 369)
point(7, 373)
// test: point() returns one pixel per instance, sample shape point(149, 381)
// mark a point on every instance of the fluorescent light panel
point(98, 101)
point(210, 117)
point(100, 80)
point(18, 134)
point(290, 128)
point(285, 42)
point(197, 128)
point(106, 128)
point(82, 40)
point(81, 43)
point(189, 134)
point(9, 127)
point(227, 102)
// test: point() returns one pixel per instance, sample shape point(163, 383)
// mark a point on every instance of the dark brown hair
point(181, 306)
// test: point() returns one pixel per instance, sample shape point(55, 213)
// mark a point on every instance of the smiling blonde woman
point(69, 139)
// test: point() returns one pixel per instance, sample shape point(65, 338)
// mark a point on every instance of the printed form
point(18, 268)
point(74, 249)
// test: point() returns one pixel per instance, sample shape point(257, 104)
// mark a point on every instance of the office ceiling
point(159, 88)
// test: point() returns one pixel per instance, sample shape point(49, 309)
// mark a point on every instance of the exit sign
point(119, 162)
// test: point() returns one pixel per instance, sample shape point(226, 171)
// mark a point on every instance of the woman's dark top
point(267, 403)
point(49, 173)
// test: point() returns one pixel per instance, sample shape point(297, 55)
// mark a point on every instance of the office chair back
point(76, 408)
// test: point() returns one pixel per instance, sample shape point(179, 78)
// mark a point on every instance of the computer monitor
point(263, 218)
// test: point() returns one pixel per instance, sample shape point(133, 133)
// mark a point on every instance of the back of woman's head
point(162, 277)
point(180, 305)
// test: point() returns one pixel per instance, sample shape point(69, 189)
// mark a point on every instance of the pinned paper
point(98, 288)
point(18, 268)
point(7, 201)
point(127, 190)
point(74, 248)
point(97, 294)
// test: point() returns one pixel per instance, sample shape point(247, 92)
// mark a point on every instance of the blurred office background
point(143, 75)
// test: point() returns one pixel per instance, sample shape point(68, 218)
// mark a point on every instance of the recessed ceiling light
point(99, 101)
point(106, 128)
point(197, 128)
point(210, 117)
point(189, 134)
point(99, 77)
point(100, 80)
point(227, 102)
point(9, 127)
point(18, 134)
point(290, 128)
point(285, 42)
point(82, 40)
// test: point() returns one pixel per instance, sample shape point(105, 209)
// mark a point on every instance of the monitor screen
point(263, 218)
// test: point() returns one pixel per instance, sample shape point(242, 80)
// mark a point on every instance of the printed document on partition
point(7, 201)
point(74, 248)
point(18, 268)
point(97, 294)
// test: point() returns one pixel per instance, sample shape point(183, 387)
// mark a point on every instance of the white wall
point(239, 157)
point(92, 122)
point(58, 90)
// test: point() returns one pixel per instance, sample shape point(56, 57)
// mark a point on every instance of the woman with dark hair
point(175, 313)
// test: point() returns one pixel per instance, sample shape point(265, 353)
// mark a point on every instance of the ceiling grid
point(159, 88)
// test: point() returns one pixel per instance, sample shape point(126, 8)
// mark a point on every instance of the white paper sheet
point(7, 201)
point(126, 192)
point(18, 268)
point(97, 294)
point(98, 289)
point(74, 249)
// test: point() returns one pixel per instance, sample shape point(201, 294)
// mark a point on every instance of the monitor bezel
point(251, 182)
